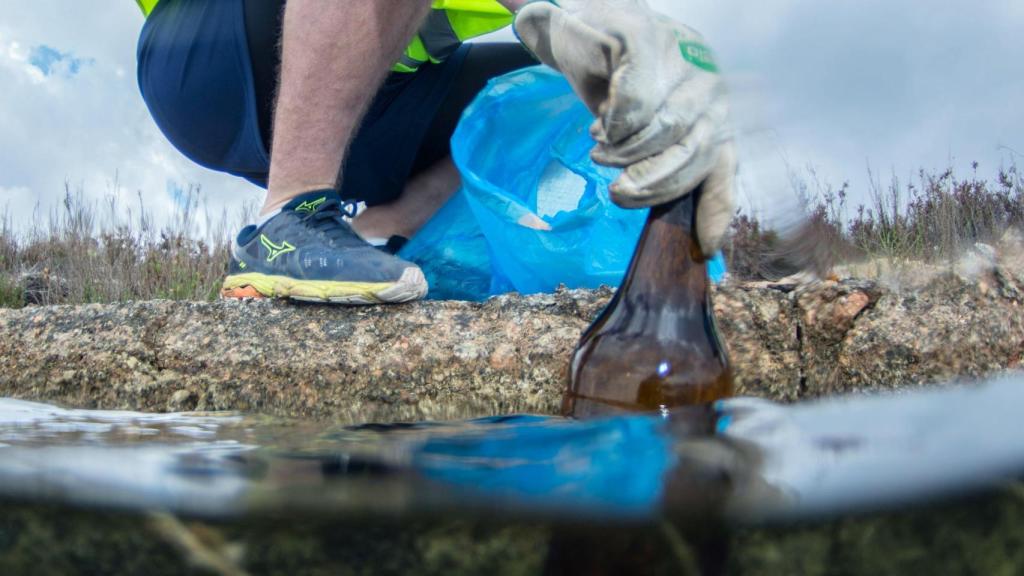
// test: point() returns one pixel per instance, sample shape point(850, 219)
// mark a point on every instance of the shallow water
point(754, 460)
point(739, 463)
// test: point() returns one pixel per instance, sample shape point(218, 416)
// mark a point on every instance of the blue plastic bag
point(534, 210)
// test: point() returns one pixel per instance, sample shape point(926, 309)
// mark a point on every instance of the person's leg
point(484, 62)
point(194, 77)
point(434, 176)
point(263, 22)
point(424, 195)
point(334, 57)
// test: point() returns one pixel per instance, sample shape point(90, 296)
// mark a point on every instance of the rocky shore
point(441, 360)
point(883, 326)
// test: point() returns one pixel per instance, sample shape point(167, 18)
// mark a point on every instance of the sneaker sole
point(411, 286)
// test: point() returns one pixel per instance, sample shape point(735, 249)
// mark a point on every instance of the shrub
point(83, 254)
point(931, 220)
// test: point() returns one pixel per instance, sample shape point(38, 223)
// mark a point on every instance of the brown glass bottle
point(655, 345)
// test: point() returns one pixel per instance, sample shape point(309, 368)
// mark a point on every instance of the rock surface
point(441, 360)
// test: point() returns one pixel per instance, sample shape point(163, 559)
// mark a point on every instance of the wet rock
point(181, 401)
point(760, 327)
point(954, 326)
point(440, 360)
point(827, 312)
point(981, 535)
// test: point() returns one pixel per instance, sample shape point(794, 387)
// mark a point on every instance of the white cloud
point(16, 202)
point(89, 128)
point(14, 60)
point(899, 84)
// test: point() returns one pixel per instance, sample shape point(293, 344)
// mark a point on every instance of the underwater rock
point(980, 535)
point(442, 360)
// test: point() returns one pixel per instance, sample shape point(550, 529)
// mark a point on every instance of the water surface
point(741, 460)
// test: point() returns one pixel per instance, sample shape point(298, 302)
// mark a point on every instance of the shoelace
point(329, 219)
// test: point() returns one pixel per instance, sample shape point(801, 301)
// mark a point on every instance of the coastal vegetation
point(87, 251)
point(931, 219)
point(105, 251)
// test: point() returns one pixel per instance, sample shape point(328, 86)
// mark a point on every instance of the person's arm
point(335, 56)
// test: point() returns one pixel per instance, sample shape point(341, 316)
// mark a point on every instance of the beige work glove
point(660, 105)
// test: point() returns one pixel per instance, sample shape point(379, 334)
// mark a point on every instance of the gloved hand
point(659, 102)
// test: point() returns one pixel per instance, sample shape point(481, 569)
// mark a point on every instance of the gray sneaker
point(309, 252)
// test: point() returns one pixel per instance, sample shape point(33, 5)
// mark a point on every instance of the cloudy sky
point(896, 85)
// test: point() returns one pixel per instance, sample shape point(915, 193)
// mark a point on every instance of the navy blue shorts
point(196, 74)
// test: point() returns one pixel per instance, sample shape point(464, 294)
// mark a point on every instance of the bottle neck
point(668, 261)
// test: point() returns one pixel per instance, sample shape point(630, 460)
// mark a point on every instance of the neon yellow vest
point(449, 24)
point(146, 5)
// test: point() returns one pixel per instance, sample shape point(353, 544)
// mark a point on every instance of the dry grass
point(932, 220)
point(103, 252)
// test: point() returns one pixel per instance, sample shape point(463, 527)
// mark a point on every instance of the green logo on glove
point(699, 55)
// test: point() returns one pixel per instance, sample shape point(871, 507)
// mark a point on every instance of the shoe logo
point(275, 250)
point(310, 206)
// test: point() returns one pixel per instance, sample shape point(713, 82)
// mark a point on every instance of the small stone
point(180, 397)
point(849, 307)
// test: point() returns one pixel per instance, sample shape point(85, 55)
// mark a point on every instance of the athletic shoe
point(309, 252)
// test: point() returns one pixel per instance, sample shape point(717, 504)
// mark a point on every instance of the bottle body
point(656, 345)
